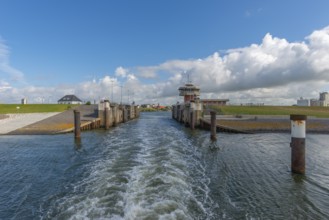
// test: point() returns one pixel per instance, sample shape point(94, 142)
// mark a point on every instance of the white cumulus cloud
point(121, 72)
point(273, 71)
point(7, 72)
point(274, 65)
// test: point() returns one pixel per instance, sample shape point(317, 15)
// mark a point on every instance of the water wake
point(145, 173)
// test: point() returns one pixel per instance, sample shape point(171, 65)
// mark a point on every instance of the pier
point(192, 113)
point(91, 117)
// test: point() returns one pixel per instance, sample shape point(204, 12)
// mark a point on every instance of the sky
point(257, 51)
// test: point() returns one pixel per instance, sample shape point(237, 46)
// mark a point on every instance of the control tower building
point(190, 92)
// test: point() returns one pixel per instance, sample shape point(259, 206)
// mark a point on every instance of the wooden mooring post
point(114, 115)
point(298, 134)
point(107, 118)
point(192, 119)
point(77, 124)
point(213, 129)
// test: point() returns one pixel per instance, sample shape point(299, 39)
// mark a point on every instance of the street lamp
point(112, 81)
point(121, 94)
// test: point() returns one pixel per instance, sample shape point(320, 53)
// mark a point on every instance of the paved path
point(44, 123)
point(12, 122)
point(59, 122)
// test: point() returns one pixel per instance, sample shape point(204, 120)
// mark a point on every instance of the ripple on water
point(154, 168)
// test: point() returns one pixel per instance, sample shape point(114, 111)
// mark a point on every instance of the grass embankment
point(153, 109)
point(321, 112)
point(33, 108)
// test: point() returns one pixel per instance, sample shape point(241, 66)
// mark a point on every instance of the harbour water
point(155, 168)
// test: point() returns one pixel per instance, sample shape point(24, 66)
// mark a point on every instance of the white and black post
point(298, 134)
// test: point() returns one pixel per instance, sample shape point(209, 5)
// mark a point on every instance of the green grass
point(152, 109)
point(321, 112)
point(33, 108)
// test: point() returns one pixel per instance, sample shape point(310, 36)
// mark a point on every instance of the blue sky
point(55, 47)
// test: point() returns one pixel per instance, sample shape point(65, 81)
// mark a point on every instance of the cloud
point(250, 13)
point(121, 72)
point(6, 70)
point(147, 72)
point(247, 13)
point(274, 71)
point(4, 86)
point(298, 68)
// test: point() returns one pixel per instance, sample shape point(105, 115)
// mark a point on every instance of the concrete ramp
point(12, 122)
point(60, 122)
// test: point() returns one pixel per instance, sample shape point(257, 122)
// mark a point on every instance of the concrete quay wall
point(111, 114)
point(190, 114)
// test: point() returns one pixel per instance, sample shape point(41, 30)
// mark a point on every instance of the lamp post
point(112, 81)
point(121, 94)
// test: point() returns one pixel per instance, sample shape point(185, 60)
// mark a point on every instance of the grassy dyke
point(320, 112)
point(152, 109)
point(33, 108)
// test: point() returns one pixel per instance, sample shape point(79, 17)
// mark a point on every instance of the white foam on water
point(163, 188)
point(157, 177)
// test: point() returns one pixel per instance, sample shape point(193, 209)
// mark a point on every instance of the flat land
point(274, 125)
point(33, 108)
point(41, 119)
point(59, 122)
point(257, 119)
point(319, 112)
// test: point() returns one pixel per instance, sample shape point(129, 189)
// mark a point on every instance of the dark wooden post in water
point(125, 114)
point(177, 112)
point(297, 144)
point(186, 118)
point(77, 124)
point(107, 118)
point(213, 136)
point(114, 114)
point(192, 119)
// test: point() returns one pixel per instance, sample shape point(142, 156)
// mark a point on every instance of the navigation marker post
point(298, 125)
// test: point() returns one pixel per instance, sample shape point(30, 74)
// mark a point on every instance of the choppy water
point(155, 168)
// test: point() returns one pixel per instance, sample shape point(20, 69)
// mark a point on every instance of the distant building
point(146, 106)
point(314, 102)
point(324, 99)
point(324, 96)
point(218, 102)
point(70, 99)
point(303, 102)
point(24, 101)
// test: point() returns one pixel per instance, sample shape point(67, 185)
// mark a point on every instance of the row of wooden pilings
point(188, 113)
point(298, 134)
point(109, 115)
point(191, 114)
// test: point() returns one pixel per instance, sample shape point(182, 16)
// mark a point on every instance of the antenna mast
point(188, 77)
